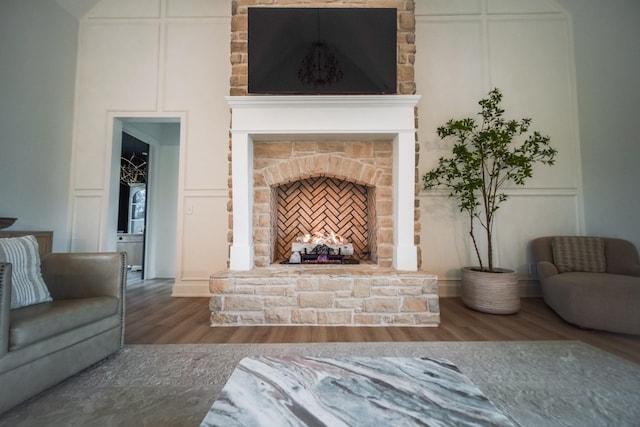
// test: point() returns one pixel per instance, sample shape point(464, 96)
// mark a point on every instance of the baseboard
point(191, 289)
point(448, 288)
point(530, 289)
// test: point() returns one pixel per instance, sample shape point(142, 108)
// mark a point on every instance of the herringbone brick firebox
point(306, 186)
point(328, 205)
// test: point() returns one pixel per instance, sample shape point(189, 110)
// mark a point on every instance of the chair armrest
point(632, 270)
point(5, 306)
point(83, 275)
point(622, 257)
point(546, 269)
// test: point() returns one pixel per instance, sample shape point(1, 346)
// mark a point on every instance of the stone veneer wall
point(405, 53)
point(363, 162)
point(406, 37)
point(374, 295)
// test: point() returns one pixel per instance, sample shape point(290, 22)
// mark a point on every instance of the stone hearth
point(320, 295)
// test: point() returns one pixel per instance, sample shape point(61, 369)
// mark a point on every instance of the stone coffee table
point(351, 391)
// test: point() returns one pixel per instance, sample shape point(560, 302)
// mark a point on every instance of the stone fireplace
point(368, 140)
point(304, 163)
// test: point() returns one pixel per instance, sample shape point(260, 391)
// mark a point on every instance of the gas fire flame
point(321, 238)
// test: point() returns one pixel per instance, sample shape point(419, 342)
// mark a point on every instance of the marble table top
point(351, 391)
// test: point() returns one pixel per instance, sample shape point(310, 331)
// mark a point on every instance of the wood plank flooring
point(154, 317)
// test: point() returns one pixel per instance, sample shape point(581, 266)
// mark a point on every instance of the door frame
point(125, 122)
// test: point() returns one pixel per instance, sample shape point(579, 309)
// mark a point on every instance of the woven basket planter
point(495, 292)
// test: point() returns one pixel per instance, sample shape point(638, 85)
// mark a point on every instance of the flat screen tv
point(322, 50)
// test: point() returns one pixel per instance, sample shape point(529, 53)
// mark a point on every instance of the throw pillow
point(579, 253)
point(27, 285)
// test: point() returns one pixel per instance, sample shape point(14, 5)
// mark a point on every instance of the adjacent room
point(355, 212)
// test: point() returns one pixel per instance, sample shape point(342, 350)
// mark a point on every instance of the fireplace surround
point(343, 119)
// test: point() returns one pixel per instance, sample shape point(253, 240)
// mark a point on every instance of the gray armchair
point(591, 282)
point(43, 344)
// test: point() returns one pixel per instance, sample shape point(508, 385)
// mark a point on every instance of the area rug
point(552, 383)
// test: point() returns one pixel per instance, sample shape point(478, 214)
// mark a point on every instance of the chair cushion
point(579, 254)
point(603, 301)
point(27, 285)
point(41, 321)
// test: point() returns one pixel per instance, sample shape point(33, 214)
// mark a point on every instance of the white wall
point(164, 231)
point(525, 48)
point(157, 58)
point(38, 42)
point(608, 75)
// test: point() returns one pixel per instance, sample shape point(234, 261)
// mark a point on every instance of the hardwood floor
point(154, 317)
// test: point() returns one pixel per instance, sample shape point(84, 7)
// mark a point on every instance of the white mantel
point(349, 117)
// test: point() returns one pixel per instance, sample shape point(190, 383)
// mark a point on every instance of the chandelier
point(133, 170)
point(319, 67)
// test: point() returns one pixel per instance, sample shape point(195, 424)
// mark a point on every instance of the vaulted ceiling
point(77, 8)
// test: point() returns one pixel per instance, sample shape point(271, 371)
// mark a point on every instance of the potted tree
point(485, 155)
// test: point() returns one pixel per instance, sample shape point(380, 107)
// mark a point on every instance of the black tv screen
point(322, 50)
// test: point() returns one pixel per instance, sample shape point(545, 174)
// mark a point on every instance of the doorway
point(132, 204)
point(145, 210)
